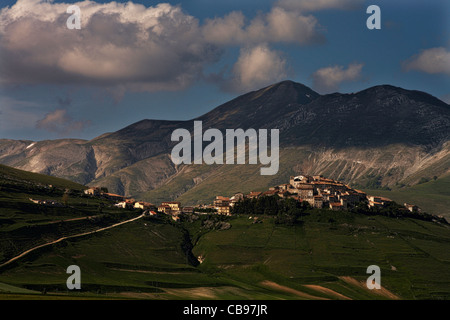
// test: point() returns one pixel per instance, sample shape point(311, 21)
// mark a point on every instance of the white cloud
point(328, 79)
point(60, 122)
point(227, 30)
point(256, 67)
point(315, 5)
point(434, 60)
point(130, 47)
point(292, 27)
point(278, 25)
point(119, 44)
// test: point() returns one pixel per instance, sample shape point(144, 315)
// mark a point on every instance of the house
point(292, 190)
point(165, 209)
point(174, 206)
point(299, 180)
point(331, 198)
point(375, 204)
point(284, 187)
point(378, 202)
point(270, 193)
point(350, 197)
point(223, 210)
point(122, 204)
point(175, 218)
point(221, 201)
point(411, 207)
point(310, 201)
point(305, 191)
point(374, 199)
point(187, 210)
point(254, 195)
point(92, 191)
point(318, 202)
point(143, 205)
point(336, 206)
point(52, 203)
point(236, 198)
point(286, 194)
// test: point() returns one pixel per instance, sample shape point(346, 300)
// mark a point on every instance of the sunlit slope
point(326, 257)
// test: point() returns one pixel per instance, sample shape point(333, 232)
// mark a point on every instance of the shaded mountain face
point(377, 116)
point(136, 159)
point(260, 109)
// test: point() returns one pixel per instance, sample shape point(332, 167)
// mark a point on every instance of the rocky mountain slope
point(381, 136)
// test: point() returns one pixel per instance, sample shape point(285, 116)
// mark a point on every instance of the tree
point(65, 198)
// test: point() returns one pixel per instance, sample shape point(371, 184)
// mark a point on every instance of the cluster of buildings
point(50, 203)
point(318, 191)
point(172, 208)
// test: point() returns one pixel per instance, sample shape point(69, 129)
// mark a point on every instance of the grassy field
point(36, 178)
point(324, 258)
point(24, 224)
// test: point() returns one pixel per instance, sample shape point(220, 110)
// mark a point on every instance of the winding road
point(68, 237)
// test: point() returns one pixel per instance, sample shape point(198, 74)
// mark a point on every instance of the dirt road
point(68, 237)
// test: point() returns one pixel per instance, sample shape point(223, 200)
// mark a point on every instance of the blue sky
point(59, 83)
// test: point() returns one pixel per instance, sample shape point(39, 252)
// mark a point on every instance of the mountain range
point(381, 137)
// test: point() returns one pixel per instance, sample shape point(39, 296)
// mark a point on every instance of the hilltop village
point(317, 191)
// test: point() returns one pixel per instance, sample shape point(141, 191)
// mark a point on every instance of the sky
point(176, 60)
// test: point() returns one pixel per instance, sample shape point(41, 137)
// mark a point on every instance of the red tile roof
point(335, 204)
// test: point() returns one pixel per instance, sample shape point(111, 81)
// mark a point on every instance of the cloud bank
point(432, 61)
point(131, 47)
point(257, 67)
point(329, 79)
point(142, 49)
point(60, 122)
point(315, 5)
point(277, 26)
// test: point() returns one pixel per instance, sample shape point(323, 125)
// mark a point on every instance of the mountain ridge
point(333, 133)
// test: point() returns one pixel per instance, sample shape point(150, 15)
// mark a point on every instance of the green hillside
point(12, 174)
point(432, 196)
point(25, 224)
point(324, 256)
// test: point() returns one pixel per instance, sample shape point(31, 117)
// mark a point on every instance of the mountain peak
point(258, 108)
point(387, 91)
point(300, 92)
